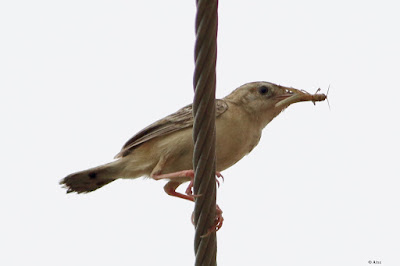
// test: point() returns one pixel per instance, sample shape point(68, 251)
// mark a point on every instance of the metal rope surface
point(204, 130)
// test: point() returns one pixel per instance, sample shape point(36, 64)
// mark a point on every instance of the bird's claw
point(219, 220)
point(189, 189)
point(219, 175)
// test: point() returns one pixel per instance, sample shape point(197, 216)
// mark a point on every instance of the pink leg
point(170, 189)
point(184, 173)
point(171, 186)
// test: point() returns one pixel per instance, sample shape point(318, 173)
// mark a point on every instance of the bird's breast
point(236, 137)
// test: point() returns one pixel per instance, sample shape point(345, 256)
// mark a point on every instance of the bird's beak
point(284, 96)
point(289, 96)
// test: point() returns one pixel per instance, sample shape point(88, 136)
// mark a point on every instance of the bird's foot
point(189, 189)
point(171, 186)
point(219, 220)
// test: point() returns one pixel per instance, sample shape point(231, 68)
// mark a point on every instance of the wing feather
point(181, 119)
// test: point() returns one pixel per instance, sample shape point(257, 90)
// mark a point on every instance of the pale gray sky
point(79, 78)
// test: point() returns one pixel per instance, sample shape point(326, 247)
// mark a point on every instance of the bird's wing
point(181, 119)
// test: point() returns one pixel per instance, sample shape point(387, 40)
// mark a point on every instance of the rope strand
point(204, 130)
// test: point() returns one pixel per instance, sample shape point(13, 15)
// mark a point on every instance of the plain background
point(79, 78)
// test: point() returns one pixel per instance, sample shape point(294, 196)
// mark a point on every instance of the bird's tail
point(91, 179)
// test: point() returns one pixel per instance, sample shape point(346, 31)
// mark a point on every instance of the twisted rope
point(204, 130)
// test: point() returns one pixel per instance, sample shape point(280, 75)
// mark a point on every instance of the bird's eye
point(263, 90)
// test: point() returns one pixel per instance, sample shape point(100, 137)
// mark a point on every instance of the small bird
point(164, 149)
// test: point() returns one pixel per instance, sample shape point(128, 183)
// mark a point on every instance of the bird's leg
point(184, 173)
point(170, 189)
point(172, 176)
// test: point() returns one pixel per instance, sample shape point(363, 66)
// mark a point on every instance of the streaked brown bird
point(164, 149)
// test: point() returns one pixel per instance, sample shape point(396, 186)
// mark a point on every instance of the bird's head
point(265, 100)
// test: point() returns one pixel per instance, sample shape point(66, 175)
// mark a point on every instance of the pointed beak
point(286, 97)
point(291, 95)
point(285, 94)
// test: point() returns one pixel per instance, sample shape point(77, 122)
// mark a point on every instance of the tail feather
point(91, 179)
